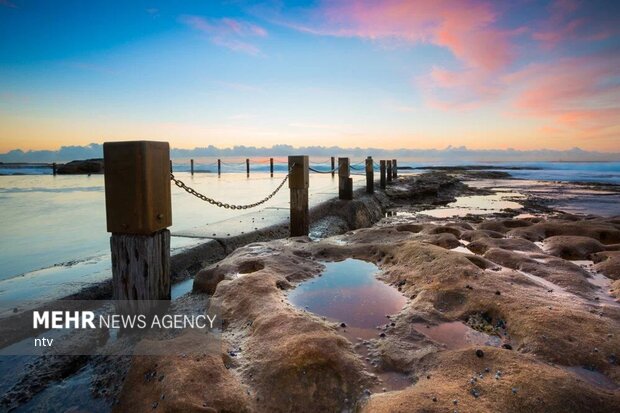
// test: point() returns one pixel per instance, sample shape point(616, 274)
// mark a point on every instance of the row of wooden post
point(139, 211)
point(219, 167)
point(391, 169)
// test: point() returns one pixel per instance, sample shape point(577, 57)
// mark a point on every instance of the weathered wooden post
point(54, 169)
point(382, 174)
point(271, 166)
point(298, 182)
point(394, 169)
point(345, 183)
point(192, 166)
point(170, 164)
point(370, 176)
point(247, 167)
point(219, 167)
point(333, 166)
point(138, 213)
point(389, 170)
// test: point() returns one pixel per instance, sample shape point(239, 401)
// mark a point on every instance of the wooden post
point(192, 166)
point(247, 167)
point(333, 166)
point(382, 174)
point(370, 176)
point(389, 170)
point(298, 182)
point(394, 169)
point(219, 167)
point(54, 169)
point(271, 166)
point(170, 164)
point(345, 183)
point(138, 213)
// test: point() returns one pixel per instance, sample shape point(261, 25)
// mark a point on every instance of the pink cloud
point(467, 28)
point(464, 27)
point(226, 32)
point(576, 94)
point(581, 94)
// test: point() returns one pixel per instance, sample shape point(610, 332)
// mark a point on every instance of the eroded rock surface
point(556, 346)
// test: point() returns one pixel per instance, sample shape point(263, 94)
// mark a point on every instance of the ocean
point(54, 239)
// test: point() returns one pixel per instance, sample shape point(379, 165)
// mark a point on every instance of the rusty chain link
point(219, 204)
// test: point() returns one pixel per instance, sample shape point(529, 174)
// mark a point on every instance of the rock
point(602, 231)
point(607, 263)
point(572, 247)
point(293, 360)
point(479, 353)
point(482, 245)
point(88, 166)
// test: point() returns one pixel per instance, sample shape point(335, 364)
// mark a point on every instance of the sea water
point(53, 239)
point(53, 231)
point(594, 172)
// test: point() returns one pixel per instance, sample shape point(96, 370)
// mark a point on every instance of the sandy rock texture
point(556, 327)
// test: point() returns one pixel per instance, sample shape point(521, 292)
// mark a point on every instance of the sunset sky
point(395, 74)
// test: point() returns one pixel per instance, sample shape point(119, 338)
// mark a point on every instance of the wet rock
point(572, 247)
point(607, 263)
point(602, 231)
point(225, 390)
point(512, 244)
point(81, 167)
point(479, 353)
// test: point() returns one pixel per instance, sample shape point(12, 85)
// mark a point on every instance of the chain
point(219, 204)
point(323, 172)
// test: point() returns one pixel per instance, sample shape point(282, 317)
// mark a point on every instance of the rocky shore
point(547, 288)
point(516, 310)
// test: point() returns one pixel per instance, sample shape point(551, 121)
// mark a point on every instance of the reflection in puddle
point(476, 205)
point(348, 292)
point(456, 335)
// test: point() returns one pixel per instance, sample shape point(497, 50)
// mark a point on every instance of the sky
point(517, 74)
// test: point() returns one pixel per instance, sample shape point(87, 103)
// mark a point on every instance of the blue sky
point(390, 74)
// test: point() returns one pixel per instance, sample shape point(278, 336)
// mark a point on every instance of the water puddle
point(593, 377)
point(348, 292)
point(476, 205)
point(461, 249)
point(600, 281)
point(181, 288)
point(457, 335)
point(551, 287)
